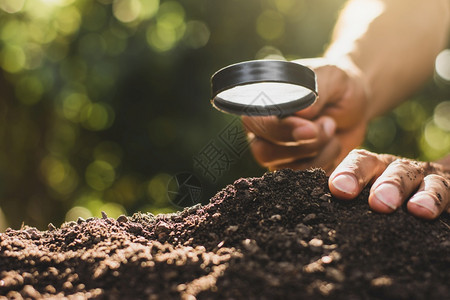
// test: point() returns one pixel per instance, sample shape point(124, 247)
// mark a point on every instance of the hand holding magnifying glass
point(275, 101)
point(268, 94)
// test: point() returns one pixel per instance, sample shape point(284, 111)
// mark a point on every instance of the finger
point(269, 155)
point(325, 127)
point(400, 179)
point(332, 84)
point(325, 159)
point(291, 130)
point(431, 199)
point(356, 170)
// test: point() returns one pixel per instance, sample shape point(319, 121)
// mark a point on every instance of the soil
point(281, 236)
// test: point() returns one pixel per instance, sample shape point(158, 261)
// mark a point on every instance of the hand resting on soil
point(424, 185)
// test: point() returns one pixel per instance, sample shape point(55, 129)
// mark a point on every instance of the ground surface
point(281, 236)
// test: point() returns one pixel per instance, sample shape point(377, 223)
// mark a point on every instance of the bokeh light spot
point(76, 212)
point(123, 191)
point(110, 152)
point(411, 115)
point(91, 201)
point(270, 25)
point(100, 175)
point(294, 10)
point(41, 33)
point(54, 171)
point(442, 115)
point(161, 38)
point(157, 189)
point(126, 10)
point(41, 10)
point(436, 137)
point(381, 133)
point(197, 34)
point(29, 90)
point(149, 9)
point(12, 6)
point(443, 65)
point(113, 210)
point(13, 59)
point(285, 6)
point(68, 20)
point(159, 210)
point(34, 56)
point(73, 105)
point(59, 175)
point(269, 52)
point(171, 14)
point(58, 2)
point(9, 29)
point(97, 116)
point(170, 27)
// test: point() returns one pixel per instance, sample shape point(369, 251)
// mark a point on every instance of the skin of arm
point(381, 52)
point(393, 43)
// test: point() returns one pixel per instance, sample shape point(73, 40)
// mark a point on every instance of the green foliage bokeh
point(102, 101)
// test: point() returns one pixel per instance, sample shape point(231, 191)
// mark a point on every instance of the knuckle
point(340, 74)
point(361, 154)
point(439, 187)
point(435, 177)
point(409, 168)
point(438, 179)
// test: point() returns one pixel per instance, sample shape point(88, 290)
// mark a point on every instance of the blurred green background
point(102, 101)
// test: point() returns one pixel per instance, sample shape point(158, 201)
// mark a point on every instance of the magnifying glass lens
point(260, 93)
point(262, 88)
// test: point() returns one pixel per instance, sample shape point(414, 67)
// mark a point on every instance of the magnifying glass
point(263, 88)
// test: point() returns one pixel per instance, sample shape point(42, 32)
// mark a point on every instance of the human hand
point(395, 180)
point(320, 135)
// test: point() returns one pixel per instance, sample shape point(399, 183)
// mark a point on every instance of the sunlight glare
point(443, 65)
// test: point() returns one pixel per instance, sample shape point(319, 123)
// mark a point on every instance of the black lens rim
point(257, 71)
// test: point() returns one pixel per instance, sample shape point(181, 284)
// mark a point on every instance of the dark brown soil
point(281, 236)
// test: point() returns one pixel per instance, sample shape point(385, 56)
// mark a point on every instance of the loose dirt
point(281, 236)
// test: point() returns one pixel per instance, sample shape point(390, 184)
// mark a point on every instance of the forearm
point(393, 43)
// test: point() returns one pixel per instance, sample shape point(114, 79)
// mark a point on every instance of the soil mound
point(281, 236)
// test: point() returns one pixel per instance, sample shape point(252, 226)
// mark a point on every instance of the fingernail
point(426, 201)
point(388, 194)
point(329, 126)
point(346, 184)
